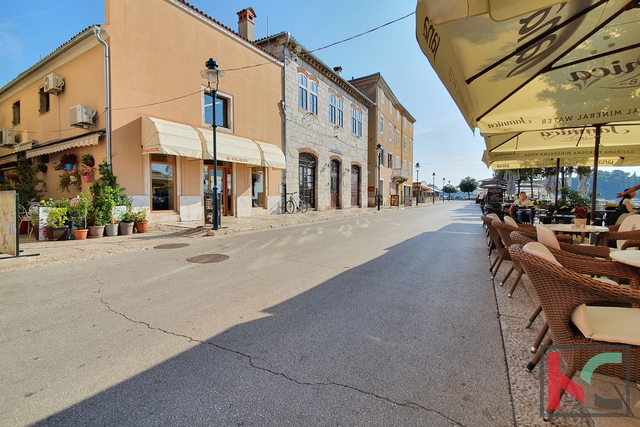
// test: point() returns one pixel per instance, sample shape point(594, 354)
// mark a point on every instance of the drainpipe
point(284, 121)
point(107, 91)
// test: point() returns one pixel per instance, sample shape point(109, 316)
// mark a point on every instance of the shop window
point(257, 188)
point(163, 182)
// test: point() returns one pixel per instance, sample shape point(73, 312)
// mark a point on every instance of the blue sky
point(443, 143)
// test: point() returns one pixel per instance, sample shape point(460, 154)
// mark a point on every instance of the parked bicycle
point(295, 202)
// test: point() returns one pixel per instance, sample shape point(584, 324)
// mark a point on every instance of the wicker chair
point(501, 250)
point(627, 230)
point(562, 291)
point(505, 231)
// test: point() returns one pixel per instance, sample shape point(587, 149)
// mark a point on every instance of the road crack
point(249, 358)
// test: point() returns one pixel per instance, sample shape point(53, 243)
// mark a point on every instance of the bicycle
point(295, 202)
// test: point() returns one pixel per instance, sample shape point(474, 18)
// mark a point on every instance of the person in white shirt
point(523, 202)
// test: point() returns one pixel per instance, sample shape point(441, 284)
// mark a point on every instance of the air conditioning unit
point(7, 137)
point(81, 115)
point(53, 83)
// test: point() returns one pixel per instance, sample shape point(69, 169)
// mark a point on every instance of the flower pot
point(580, 222)
point(68, 167)
point(142, 227)
point(54, 233)
point(125, 228)
point(96, 231)
point(87, 178)
point(111, 230)
point(80, 234)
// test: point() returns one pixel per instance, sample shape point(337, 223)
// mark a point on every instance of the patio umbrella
point(530, 65)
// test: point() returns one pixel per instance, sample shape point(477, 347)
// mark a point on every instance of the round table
point(571, 228)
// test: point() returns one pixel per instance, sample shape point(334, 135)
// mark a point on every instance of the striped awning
point(55, 147)
point(12, 158)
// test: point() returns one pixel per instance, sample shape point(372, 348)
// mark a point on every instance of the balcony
point(400, 175)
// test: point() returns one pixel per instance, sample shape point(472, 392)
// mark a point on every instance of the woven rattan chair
point(501, 250)
point(627, 230)
point(562, 293)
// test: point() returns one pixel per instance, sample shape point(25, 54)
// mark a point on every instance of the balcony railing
point(400, 175)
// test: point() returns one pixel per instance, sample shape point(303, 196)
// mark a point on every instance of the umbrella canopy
point(523, 65)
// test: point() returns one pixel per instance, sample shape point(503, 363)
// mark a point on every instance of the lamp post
point(378, 153)
point(449, 184)
point(443, 190)
point(433, 190)
point(419, 186)
point(213, 74)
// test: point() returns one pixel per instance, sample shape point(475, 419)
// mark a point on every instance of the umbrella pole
point(596, 154)
point(557, 180)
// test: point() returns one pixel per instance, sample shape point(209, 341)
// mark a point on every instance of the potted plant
point(86, 173)
point(140, 220)
point(69, 179)
point(56, 218)
point(111, 228)
point(87, 160)
point(580, 213)
point(125, 227)
point(67, 162)
point(78, 210)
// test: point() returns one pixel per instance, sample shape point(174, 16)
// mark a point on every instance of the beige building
point(325, 129)
point(130, 92)
point(391, 126)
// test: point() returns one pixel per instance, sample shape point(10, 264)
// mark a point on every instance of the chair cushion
point(610, 324)
point(541, 251)
point(494, 216)
point(546, 236)
point(509, 220)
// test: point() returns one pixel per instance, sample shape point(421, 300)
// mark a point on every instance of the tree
point(24, 180)
point(468, 185)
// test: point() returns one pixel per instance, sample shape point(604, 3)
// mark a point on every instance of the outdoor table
point(571, 228)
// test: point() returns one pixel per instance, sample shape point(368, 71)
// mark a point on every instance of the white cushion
point(494, 216)
point(541, 251)
point(610, 324)
point(546, 236)
point(510, 221)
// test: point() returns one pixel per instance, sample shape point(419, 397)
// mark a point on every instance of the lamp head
point(212, 73)
point(417, 165)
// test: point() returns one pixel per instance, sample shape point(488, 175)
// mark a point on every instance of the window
point(390, 107)
point(16, 113)
point(381, 124)
point(313, 98)
point(404, 164)
point(163, 182)
point(44, 101)
point(390, 132)
point(381, 97)
point(381, 157)
point(354, 121)
point(257, 187)
point(332, 108)
point(397, 114)
point(223, 109)
point(397, 162)
point(404, 142)
point(359, 117)
point(390, 160)
point(397, 137)
point(340, 113)
point(302, 91)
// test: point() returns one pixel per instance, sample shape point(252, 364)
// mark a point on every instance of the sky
point(443, 143)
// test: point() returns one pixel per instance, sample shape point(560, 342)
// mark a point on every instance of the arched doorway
point(355, 186)
point(306, 179)
point(335, 184)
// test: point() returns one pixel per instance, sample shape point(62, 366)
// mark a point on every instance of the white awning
point(12, 158)
point(162, 136)
point(165, 137)
point(83, 141)
point(24, 146)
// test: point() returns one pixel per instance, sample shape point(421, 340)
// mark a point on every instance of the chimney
point(338, 70)
point(246, 24)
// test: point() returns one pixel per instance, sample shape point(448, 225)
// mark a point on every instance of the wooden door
point(335, 184)
point(355, 186)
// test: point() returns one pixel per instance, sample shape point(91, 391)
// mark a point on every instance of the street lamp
point(213, 74)
point(443, 190)
point(433, 190)
point(378, 153)
point(449, 184)
point(419, 186)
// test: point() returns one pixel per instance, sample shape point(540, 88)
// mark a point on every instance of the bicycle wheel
point(302, 206)
point(290, 207)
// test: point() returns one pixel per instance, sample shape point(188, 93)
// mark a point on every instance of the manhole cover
point(208, 258)
point(171, 246)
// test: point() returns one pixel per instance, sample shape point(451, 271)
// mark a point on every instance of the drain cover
point(171, 246)
point(208, 258)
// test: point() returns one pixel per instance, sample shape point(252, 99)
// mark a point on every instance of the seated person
point(625, 205)
point(523, 215)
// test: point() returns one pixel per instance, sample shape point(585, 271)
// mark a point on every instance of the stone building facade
point(325, 122)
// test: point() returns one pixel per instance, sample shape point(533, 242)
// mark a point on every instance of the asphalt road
point(370, 321)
